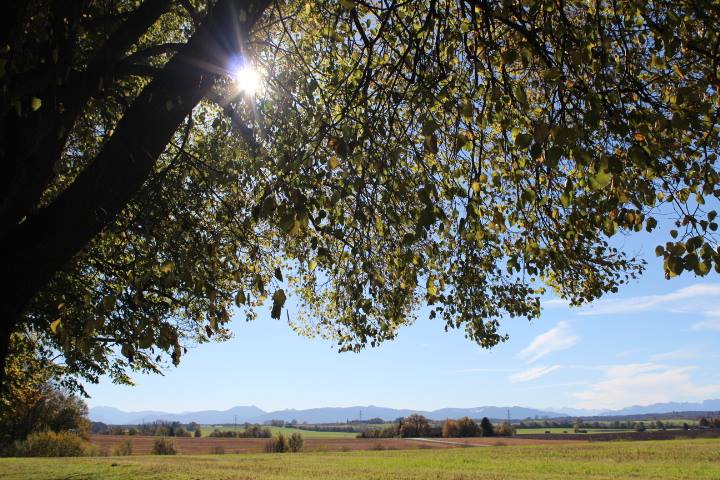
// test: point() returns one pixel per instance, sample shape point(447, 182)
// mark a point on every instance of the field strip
point(448, 442)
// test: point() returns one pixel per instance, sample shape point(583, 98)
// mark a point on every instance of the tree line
point(417, 425)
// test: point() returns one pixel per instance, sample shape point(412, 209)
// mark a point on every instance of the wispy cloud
point(557, 338)
point(686, 353)
point(642, 384)
point(532, 373)
point(712, 325)
point(555, 302)
point(702, 295)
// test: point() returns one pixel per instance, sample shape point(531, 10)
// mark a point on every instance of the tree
point(414, 425)
point(467, 427)
point(31, 402)
point(486, 427)
point(450, 428)
point(457, 153)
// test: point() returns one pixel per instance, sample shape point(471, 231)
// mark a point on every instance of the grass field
point(206, 429)
point(679, 459)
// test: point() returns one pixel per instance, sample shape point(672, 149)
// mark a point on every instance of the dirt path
point(448, 442)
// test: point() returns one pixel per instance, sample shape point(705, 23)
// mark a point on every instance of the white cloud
point(698, 298)
point(712, 325)
point(643, 384)
point(556, 339)
point(532, 373)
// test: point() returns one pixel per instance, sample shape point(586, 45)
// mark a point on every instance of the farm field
point(207, 429)
point(142, 445)
point(679, 459)
point(535, 431)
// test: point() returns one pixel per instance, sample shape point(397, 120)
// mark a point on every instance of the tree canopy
point(462, 154)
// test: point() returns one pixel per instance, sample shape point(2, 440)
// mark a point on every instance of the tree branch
point(45, 242)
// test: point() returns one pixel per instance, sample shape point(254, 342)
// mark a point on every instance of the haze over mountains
point(253, 414)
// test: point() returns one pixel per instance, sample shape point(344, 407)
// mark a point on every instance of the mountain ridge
point(253, 414)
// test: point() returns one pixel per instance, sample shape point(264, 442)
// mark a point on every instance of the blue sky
point(654, 341)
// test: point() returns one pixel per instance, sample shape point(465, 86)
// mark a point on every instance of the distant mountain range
point(253, 414)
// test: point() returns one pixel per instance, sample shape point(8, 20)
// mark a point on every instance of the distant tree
point(640, 427)
point(198, 433)
point(505, 429)
point(415, 425)
point(704, 422)
point(487, 427)
point(132, 431)
point(685, 426)
point(467, 427)
point(98, 427)
point(450, 428)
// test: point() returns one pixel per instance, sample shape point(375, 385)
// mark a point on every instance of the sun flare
point(247, 79)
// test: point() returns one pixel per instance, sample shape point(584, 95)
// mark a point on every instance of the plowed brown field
point(198, 446)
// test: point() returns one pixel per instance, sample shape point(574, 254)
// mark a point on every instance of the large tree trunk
point(33, 250)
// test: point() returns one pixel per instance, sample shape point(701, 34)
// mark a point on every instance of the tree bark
point(37, 248)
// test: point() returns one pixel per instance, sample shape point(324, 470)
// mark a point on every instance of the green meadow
point(679, 459)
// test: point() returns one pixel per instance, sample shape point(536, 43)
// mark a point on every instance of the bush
point(278, 444)
point(163, 446)
point(51, 444)
point(295, 444)
point(217, 450)
point(198, 433)
point(124, 449)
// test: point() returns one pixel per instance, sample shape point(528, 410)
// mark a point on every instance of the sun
point(247, 79)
